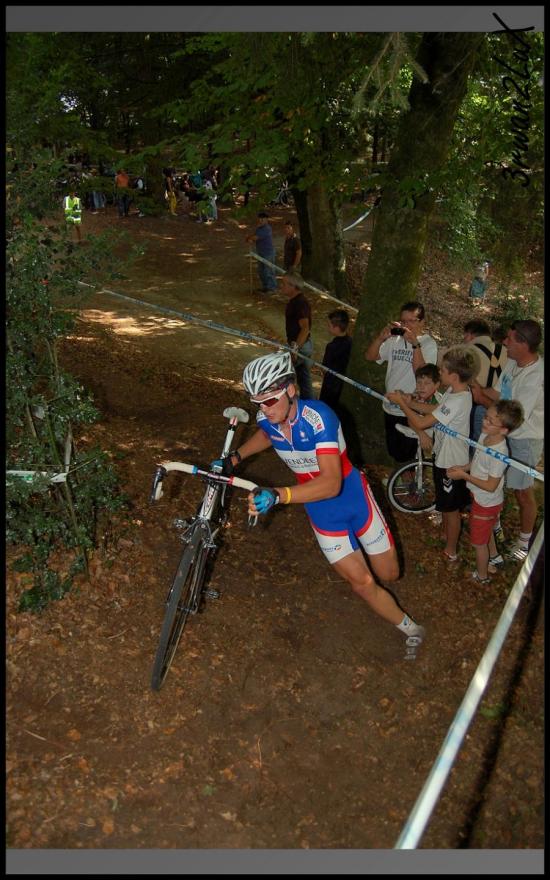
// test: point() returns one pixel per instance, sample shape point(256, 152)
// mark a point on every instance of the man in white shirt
point(404, 346)
point(523, 380)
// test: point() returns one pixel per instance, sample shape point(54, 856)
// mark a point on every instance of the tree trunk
point(304, 232)
point(375, 140)
point(323, 260)
point(155, 180)
point(401, 230)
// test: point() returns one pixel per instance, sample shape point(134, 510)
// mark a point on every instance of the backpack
point(494, 357)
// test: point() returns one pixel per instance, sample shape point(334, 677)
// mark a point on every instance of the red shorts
point(482, 522)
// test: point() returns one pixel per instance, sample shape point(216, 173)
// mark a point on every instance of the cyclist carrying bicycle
point(343, 513)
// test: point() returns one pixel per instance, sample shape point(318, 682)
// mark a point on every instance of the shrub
point(43, 402)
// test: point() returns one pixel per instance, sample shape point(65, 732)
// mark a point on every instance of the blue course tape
point(273, 343)
point(357, 222)
point(488, 450)
point(306, 283)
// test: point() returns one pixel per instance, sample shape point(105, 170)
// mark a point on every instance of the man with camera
point(405, 347)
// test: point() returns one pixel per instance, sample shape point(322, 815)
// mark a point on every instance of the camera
point(397, 331)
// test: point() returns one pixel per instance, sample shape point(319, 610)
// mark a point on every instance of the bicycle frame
point(184, 596)
point(235, 416)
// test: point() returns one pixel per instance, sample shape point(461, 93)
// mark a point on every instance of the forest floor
point(289, 718)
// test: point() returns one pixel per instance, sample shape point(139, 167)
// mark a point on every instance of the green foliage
point(300, 132)
point(468, 230)
point(515, 302)
point(485, 212)
point(44, 402)
point(149, 206)
point(98, 183)
point(391, 72)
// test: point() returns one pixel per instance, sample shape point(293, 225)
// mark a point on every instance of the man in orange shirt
point(123, 198)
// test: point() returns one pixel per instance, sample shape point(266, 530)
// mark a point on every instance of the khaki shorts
point(528, 452)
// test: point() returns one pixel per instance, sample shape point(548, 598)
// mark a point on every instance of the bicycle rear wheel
point(411, 488)
point(183, 599)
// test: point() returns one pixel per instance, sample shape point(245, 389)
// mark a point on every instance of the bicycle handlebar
point(166, 466)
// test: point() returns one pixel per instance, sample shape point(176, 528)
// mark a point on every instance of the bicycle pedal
point(212, 594)
point(181, 523)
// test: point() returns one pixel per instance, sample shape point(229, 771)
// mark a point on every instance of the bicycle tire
point(183, 600)
point(406, 495)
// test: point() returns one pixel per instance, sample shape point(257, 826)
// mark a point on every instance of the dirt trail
point(202, 269)
point(289, 718)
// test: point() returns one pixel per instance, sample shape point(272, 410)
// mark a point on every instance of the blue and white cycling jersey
point(353, 516)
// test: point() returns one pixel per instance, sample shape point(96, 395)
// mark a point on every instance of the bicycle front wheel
point(183, 599)
point(411, 488)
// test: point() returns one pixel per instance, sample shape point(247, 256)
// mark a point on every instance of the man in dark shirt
point(336, 357)
point(264, 248)
point(292, 254)
point(298, 331)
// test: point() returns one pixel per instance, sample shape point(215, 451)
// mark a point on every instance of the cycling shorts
point(342, 525)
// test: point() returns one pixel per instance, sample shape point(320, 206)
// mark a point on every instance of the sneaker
point(436, 517)
point(495, 562)
point(498, 532)
point(518, 552)
point(413, 643)
point(476, 577)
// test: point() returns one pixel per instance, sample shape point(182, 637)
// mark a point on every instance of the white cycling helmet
point(267, 371)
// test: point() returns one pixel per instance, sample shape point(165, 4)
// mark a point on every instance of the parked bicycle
point(284, 197)
point(411, 486)
point(201, 536)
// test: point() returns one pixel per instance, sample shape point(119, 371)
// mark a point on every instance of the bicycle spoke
point(411, 488)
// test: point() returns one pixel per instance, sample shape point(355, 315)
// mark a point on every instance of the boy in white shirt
point(457, 369)
point(486, 483)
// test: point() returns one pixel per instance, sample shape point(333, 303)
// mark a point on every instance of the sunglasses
point(270, 401)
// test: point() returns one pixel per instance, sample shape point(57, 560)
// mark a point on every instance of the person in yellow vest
point(73, 212)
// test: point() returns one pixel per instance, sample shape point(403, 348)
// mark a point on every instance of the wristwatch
point(417, 345)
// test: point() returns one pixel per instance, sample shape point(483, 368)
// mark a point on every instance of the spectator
point(404, 346)
point(298, 331)
point(336, 357)
point(211, 199)
point(263, 236)
point(457, 370)
point(522, 379)
point(292, 253)
point(99, 201)
point(193, 194)
point(196, 179)
point(428, 380)
point(492, 357)
point(182, 193)
point(139, 185)
point(169, 190)
point(123, 197)
point(485, 479)
point(478, 287)
point(73, 212)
